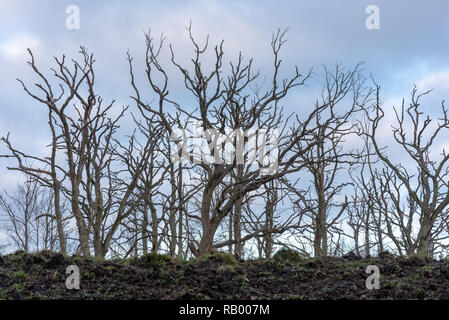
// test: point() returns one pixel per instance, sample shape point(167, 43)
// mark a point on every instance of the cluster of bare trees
point(334, 187)
point(403, 202)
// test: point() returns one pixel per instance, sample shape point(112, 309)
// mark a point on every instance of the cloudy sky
point(410, 47)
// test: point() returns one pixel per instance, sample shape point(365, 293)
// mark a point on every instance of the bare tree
point(329, 155)
point(22, 209)
point(228, 103)
point(223, 167)
point(427, 187)
point(269, 222)
point(84, 135)
point(47, 175)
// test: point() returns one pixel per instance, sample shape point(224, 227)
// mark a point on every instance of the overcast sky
point(410, 47)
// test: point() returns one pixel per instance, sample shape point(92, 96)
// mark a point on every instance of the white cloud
point(219, 20)
point(438, 81)
point(15, 48)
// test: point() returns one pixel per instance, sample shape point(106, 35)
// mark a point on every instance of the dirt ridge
point(220, 276)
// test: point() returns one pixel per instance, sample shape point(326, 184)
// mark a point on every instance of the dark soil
point(220, 276)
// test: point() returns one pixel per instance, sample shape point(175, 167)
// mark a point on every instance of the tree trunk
point(144, 228)
point(238, 228)
point(238, 247)
point(424, 237)
point(154, 231)
point(268, 237)
point(367, 246)
point(180, 211)
point(59, 222)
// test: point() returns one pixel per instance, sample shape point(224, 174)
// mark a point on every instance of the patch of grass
point(18, 287)
point(38, 267)
point(78, 259)
point(14, 258)
point(89, 275)
point(110, 268)
point(258, 260)
point(286, 255)
point(155, 260)
point(20, 275)
point(417, 259)
point(220, 257)
point(425, 271)
point(240, 278)
point(355, 264)
point(182, 261)
point(127, 262)
point(313, 262)
point(95, 260)
point(226, 268)
point(3, 294)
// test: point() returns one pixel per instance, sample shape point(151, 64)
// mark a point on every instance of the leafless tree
point(24, 213)
point(329, 156)
point(84, 136)
point(418, 217)
point(365, 212)
point(218, 165)
point(235, 102)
